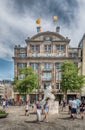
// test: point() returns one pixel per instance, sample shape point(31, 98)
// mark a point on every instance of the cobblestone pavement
point(17, 121)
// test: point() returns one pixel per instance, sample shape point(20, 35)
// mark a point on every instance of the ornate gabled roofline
point(48, 33)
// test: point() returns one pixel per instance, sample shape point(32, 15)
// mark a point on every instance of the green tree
point(28, 83)
point(71, 80)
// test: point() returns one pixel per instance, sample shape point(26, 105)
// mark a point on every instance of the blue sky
point(6, 69)
point(17, 22)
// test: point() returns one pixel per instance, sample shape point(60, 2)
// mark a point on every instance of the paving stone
point(17, 121)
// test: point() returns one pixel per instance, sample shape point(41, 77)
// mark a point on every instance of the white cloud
point(14, 28)
point(77, 29)
point(5, 51)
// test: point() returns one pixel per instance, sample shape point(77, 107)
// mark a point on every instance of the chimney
point(57, 29)
point(39, 28)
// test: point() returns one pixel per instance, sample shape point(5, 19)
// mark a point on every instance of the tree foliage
point(29, 81)
point(71, 80)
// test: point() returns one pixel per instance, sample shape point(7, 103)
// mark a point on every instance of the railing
point(73, 50)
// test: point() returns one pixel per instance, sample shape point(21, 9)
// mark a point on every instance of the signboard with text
point(47, 55)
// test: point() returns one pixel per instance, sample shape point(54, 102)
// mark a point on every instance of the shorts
point(70, 108)
point(26, 110)
point(46, 110)
point(81, 109)
point(4, 106)
point(73, 111)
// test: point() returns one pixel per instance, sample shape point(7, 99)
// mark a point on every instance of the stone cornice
point(39, 41)
point(47, 58)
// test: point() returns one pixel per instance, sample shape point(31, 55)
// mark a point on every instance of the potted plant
point(3, 114)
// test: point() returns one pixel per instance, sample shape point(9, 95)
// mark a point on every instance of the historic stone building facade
point(45, 52)
point(2, 90)
point(6, 89)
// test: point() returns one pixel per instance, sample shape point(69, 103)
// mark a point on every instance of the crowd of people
point(39, 109)
point(76, 106)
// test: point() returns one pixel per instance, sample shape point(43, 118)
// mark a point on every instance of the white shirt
point(74, 104)
point(4, 103)
point(70, 101)
point(26, 108)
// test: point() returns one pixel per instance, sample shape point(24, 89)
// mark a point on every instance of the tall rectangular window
point(60, 47)
point(22, 55)
point(57, 85)
point(58, 66)
point(21, 65)
point(47, 66)
point(21, 76)
point(34, 65)
point(34, 47)
point(47, 76)
point(58, 75)
point(47, 47)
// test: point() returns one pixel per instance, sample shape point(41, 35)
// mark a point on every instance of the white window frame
point(34, 65)
point(58, 76)
point(47, 66)
point(60, 47)
point(47, 76)
point(58, 66)
point(47, 47)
